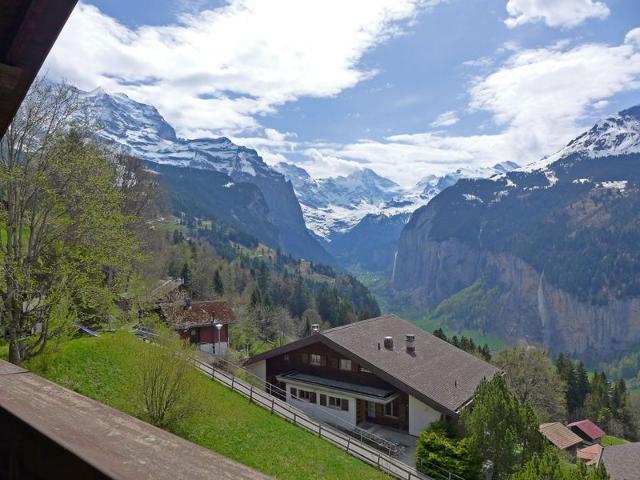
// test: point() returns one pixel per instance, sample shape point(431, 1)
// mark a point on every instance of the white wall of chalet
point(420, 416)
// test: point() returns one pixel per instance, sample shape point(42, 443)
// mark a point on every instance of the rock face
point(555, 247)
point(140, 130)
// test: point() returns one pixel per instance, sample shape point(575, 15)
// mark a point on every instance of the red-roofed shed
point(587, 430)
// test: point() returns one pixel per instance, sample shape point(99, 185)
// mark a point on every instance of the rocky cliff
point(546, 254)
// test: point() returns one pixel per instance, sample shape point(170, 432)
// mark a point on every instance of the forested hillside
point(277, 296)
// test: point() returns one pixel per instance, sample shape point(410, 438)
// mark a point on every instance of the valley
point(506, 252)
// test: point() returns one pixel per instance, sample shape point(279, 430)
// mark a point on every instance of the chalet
point(587, 430)
point(204, 323)
point(561, 437)
point(382, 371)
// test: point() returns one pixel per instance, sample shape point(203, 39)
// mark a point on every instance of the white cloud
point(538, 99)
point(323, 164)
point(446, 119)
point(554, 13)
point(221, 69)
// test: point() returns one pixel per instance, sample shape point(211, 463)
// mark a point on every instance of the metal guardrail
point(353, 446)
point(391, 448)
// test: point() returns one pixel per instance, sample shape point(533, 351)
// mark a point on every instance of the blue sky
point(405, 87)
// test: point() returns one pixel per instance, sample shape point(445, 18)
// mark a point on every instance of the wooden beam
point(9, 77)
point(26, 49)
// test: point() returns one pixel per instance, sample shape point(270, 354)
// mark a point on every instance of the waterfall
point(393, 271)
point(544, 315)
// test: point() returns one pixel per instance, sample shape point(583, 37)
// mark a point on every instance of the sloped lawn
point(104, 368)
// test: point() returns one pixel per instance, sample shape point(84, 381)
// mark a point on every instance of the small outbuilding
point(561, 437)
point(204, 323)
point(590, 455)
point(587, 430)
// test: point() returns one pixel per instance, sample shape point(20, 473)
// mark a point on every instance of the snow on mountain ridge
point(614, 135)
point(334, 205)
point(140, 130)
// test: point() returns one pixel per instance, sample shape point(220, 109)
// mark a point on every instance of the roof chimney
point(388, 343)
point(315, 328)
point(411, 343)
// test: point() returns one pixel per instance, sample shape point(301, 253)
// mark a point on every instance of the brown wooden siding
point(329, 367)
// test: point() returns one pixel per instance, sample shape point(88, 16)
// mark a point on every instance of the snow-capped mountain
point(335, 205)
point(550, 249)
point(615, 135)
point(140, 130)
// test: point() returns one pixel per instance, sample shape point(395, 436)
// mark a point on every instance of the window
point(345, 364)
point(316, 359)
point(285, 357)
point(364, 370)
point(339, 403)
point(371, 409)
point(323, 400)
point(305, 358)
point(294, 392)
point(306, 396)
point(392, 409)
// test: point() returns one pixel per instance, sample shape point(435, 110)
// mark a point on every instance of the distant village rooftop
point(561, 436)
point(587, 430)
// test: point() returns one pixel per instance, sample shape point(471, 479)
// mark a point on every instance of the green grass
point(104, 368)
point(610, 441)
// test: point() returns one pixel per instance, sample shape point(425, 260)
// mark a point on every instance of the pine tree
point(500, 429)
point(218, 285)
point(440, 334)
point(186, 275)
point(582, 385)
point(299, 301)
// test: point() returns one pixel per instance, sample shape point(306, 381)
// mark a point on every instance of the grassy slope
point(104, 369)
point(610, 441)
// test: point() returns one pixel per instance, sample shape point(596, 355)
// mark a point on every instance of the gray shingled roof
point(438, 370)
point(622, 461)
point(438, 373)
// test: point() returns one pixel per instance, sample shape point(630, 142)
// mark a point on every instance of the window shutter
point(323, 400)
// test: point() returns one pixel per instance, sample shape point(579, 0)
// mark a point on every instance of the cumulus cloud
point(446, 119)
point(220, 69)
point(538, 100)
point(554, 13)
point(323, 164)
